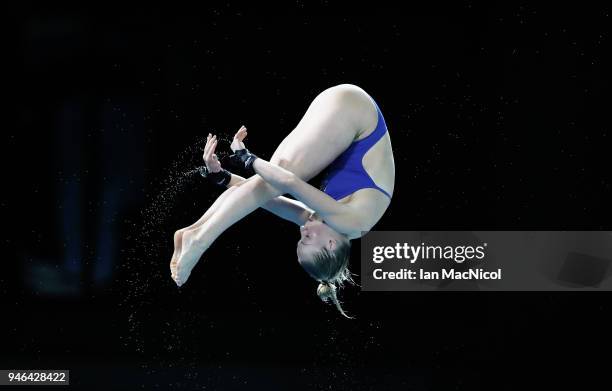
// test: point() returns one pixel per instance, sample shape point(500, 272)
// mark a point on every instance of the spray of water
point(145, 268)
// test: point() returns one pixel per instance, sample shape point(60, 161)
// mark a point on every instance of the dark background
point(497, 119)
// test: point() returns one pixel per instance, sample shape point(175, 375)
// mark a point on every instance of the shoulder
point(370, 205)
point(358, 213)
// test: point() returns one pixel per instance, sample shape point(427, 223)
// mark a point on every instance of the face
point(314, 236)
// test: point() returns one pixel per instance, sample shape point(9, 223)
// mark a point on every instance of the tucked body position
point(343, 134)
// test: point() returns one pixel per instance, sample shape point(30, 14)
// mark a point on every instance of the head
point(324, 254)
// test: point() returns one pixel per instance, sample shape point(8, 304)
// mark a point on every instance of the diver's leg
point(178, 235)
point(283, 207)
point(327, 128)
point(331, 123)
point(246, 198)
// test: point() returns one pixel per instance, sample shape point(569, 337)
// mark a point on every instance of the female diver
point(344, 131)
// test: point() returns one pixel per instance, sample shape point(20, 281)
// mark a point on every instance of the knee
point(347, 87)
point(347, 90)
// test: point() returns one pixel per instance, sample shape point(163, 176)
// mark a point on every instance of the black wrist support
point(220, 178)
point(244, 158)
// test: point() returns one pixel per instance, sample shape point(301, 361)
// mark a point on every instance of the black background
point(497, 119)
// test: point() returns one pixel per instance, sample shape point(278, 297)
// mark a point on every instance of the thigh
point(329, 126)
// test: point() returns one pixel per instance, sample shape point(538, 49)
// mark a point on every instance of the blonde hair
point(331, 270)
point(327, 291)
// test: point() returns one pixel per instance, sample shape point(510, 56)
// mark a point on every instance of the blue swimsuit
point(346, 174)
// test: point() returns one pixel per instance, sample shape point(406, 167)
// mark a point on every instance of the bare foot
point(191, 251)
point(178, 241)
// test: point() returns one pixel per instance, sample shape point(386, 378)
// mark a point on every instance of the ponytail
point(327, 291)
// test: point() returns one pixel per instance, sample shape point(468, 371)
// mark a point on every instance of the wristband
point(244, 159)
point(220, 178)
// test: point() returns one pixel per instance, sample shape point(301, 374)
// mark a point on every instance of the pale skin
point(336, 117)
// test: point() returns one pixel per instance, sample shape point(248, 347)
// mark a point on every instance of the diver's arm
point(287, 182)
point(285, 208)
point(235, 181)
point(288, 209)
point(339, 216)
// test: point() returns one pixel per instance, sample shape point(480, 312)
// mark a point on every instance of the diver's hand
point(238, 137)
point(210, 158)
